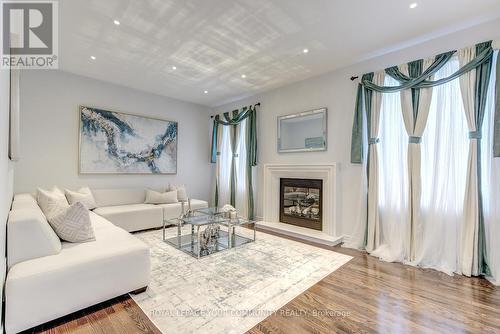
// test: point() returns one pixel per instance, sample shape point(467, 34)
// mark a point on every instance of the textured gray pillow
point(84, 195)
point(155, 197)
point(74, 224)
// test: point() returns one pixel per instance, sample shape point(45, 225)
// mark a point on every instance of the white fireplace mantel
point(271, 199)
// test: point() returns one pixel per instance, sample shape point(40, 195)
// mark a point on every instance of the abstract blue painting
point(118, 143)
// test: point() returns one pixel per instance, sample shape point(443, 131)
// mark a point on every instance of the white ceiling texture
point(212, 43)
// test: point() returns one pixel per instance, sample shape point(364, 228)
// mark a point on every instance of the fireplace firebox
point(301, 202)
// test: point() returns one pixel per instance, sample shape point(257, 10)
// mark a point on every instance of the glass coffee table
point(206, 231)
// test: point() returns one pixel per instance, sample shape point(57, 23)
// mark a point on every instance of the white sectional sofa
point(126, 209)
point(48, 279)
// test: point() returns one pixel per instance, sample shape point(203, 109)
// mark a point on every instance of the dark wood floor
point(363, 296)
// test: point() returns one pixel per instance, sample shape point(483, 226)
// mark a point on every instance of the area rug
point(230, 291)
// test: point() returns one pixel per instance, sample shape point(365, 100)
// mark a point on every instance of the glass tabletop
point(203, 220)
point(238, 221)
point(212, 211)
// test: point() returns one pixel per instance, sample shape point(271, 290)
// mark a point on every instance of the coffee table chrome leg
point(229, 236)
point(163, 229)
point(254, 232)
point(192, 237)
point(179, 233)
point(199, 242)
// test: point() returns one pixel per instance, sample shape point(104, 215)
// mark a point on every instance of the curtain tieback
point(235, 155)
point(475, 135)
point(218, 153)
point(414, 140)
point(373, 141)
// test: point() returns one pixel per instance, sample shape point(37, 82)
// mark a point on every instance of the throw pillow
point(84, 196)
point(74, 224)
point(155, 197)
point(51, 202)
point(181, 192)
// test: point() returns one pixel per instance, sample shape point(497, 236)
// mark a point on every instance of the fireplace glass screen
point(300, 202)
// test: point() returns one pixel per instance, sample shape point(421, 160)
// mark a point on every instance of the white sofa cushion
point(81, 275)
point(24, 201)
point(133, 217)
point(52, 202)
point(113, 197)
point(181, 191)
point(74, 224)
point(29, 235)
point(84, 196)
point(174, 210)
point(156, 197)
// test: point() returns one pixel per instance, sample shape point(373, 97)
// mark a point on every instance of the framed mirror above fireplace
point(303, 132)
point(301, 202)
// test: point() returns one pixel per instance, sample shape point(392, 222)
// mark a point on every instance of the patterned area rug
point(230, 291)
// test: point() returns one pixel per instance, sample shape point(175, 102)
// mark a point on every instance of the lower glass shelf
point(188, 243)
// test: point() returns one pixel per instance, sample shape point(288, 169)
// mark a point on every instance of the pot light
point(413, 5)
point(93, 57)
point(305, 50)
point(243, 76)
point(116, 22)
point(206, 92)
point(174, 68)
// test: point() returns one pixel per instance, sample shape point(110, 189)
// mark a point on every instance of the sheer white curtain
point(393, 178)
point(491, 185)
point(373, 225)
point(445, 148)
point(224, 158)
point(241, 169)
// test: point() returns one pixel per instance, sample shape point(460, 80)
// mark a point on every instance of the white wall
point(49, 133)
point(6, 171)
point(336, 92)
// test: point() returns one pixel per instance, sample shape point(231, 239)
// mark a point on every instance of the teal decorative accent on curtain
point(415, 70)
point(367, 98)
point(357, 129)
point(475, 135)
point(414, 140)
point(213, 155)
point(251, 159)
point(233, 119)
point(483, 73)
point(496, 132)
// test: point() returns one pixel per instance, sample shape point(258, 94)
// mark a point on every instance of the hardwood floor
point(363, 296)
point(117, 316)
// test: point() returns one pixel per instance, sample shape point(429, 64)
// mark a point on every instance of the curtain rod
point(255, 105)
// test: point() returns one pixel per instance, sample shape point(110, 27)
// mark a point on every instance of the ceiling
point(213, 42)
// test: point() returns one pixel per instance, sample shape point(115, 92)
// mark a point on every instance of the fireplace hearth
point(301, 202)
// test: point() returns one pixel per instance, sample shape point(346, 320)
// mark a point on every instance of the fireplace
point(301, 202)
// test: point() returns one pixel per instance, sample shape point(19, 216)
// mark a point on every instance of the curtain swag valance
point(415, 80)
point(234, 118)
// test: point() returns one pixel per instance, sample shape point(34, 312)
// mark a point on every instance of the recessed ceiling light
point(243, 76)
point(305, 50)
point(206, 92)
point(174, 68)
point(413, 5)
point(116, 22)
point(92, 57)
